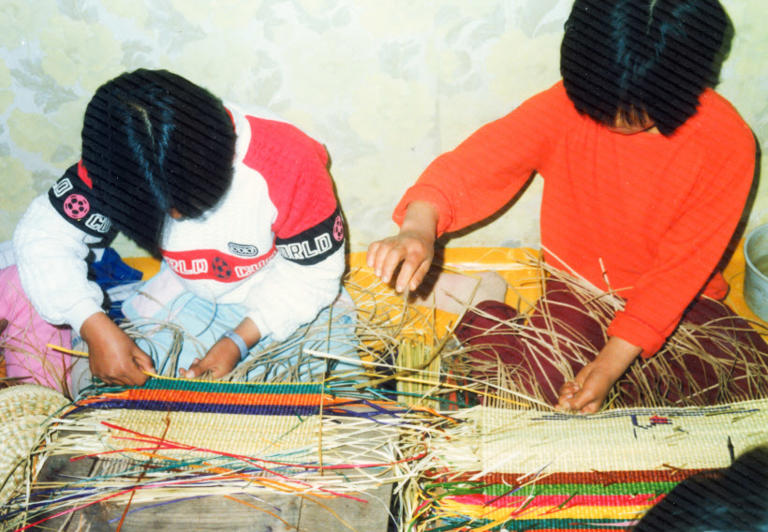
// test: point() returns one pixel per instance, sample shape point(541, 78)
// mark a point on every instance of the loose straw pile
point(409, 419)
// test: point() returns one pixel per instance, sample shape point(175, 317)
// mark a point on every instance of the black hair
point(153, 141)
point(732, 500)
point(628, 59)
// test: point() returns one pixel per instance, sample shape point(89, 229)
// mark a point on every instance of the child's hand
point(587, 392)
point(414, 247)
point(113, 356)
point(224, 355)
point(220, 360)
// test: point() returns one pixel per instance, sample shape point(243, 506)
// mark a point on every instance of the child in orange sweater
point(646, 172)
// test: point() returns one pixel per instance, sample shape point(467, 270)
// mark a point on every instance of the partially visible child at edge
point(646, 172)
point(240, 206)
point(729, 500)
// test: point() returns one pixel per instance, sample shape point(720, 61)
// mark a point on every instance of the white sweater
point(274, 243)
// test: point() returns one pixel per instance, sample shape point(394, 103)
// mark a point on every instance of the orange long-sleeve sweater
point(651, 214)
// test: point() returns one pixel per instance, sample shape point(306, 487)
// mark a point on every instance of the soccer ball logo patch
point(338, 229)
point(76, 206)
point(221, 268)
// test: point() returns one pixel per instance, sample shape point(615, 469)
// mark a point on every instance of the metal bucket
point(756, 271)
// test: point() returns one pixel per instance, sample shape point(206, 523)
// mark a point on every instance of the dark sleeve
point(74, 200)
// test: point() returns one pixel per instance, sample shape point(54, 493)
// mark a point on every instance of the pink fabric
point(24, 339)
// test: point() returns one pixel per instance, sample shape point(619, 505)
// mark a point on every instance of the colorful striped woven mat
point(204, 418)
point(176, 438)
point(526, 470)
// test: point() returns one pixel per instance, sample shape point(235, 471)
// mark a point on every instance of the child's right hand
point(114, 357)
point(414, 247)
point(586, 393)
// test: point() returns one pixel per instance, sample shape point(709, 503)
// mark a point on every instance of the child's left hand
point(224, 355)
point(220, 359)
point(587, 392)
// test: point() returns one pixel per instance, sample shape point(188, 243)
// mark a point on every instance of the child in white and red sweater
point(240, 207)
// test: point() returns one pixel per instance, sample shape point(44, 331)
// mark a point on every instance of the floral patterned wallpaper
point(387, 86)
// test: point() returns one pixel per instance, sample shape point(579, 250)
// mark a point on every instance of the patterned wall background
point(386, 86)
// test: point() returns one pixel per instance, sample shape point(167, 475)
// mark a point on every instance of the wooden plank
point(272, 512)
point(345, 515)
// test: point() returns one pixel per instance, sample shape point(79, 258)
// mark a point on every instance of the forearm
point(616, 356)
point(249, 332)
point(421, 217)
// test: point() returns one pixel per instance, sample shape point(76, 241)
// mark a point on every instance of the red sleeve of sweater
point(295, 168)
point(486, 170)
point(309, 226)
point(694, 243)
